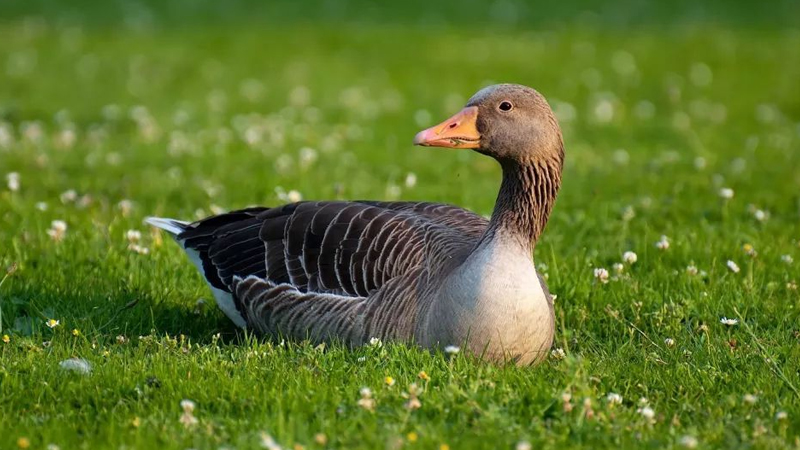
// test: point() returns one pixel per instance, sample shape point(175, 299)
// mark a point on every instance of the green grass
point(371, 88)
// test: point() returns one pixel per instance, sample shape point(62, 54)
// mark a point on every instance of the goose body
point(430, 273)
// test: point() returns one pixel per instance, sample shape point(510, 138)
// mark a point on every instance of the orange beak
point(459, 131)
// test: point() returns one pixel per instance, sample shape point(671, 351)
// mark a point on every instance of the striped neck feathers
point(527, 194)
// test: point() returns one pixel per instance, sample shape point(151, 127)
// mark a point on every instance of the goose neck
point(527, 194)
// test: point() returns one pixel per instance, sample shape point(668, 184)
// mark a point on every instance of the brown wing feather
point(344, 248)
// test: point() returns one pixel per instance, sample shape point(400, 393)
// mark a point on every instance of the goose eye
point(506, 106)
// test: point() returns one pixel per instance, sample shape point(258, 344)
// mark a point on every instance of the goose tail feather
point(171, 226)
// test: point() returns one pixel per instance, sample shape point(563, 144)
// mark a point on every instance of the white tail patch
point(224, 299)
point(171, 226)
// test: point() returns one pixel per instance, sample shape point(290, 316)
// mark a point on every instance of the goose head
point(509, 122)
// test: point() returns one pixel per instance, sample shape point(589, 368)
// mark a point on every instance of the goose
point(426, 273)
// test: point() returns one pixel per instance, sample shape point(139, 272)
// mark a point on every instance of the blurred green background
point(111, 111)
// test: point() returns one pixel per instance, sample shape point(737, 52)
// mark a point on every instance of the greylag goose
point(429, 273)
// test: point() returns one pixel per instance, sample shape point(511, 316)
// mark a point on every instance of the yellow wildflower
point(412, 437)
point(6, 339)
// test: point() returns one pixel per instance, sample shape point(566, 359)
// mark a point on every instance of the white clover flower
point(366, 401)
point(125, 206)
point(136, 248)
point(729, 322)
point(523, 445)
point(699, 163)
point(618, 268)
point(558, 354)
point(787, 259)
point(628, 213)
point(781, 415)
point(411, 180)
point(663, 243)
point(726, 193)
point(269, 443)
point(750, 399)
point(57, 231)
point(66, 138)
point(603, 110)
point(452, 349)
point(375, 342)
point(308, 156)
point(601, 274)
point(614, 399)
point(78, 365)
point(68, 196)
point(688, 441)
point(133, 236)
point(188, 420)
point(294, 196)
point(85, 201)
point(393, 191)
point(732, 266)
point(13, 181)
point(32, 131)
point(669, 342)
point(647, 412)
point(691, 269)
point(629, 257)
point(188, 405)
point(760, 215)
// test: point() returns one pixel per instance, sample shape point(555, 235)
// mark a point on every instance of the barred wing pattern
point(351, 270)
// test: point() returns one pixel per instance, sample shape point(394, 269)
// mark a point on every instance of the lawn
point(682, 132)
